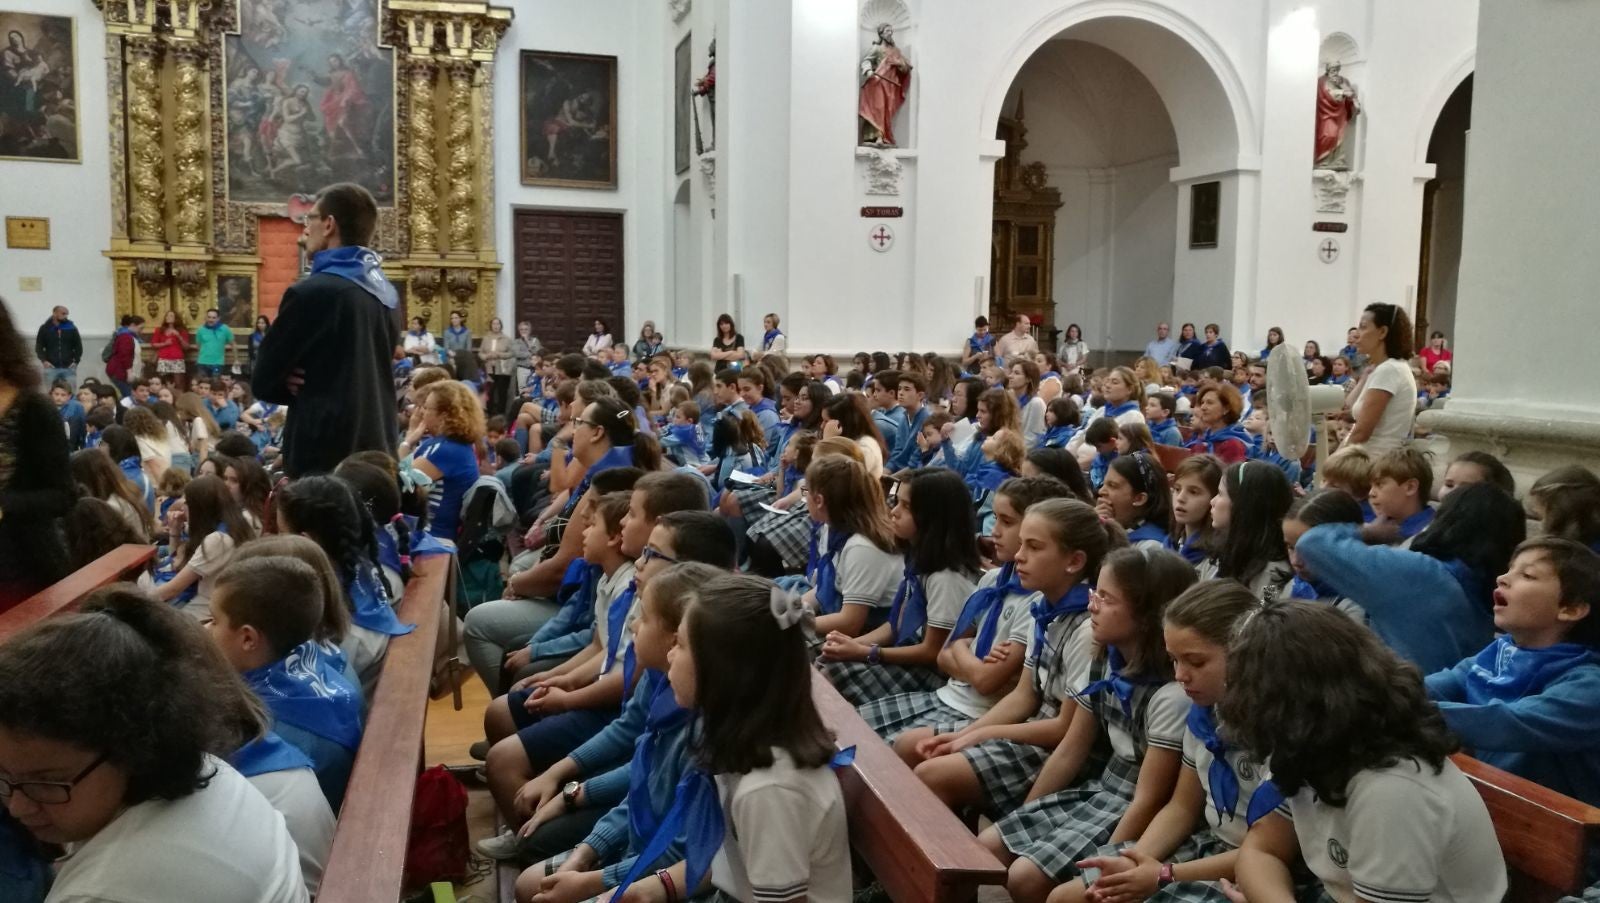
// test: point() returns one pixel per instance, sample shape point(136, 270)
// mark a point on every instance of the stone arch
point(1435, 104)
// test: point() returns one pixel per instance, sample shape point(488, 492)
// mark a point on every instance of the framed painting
point(569, 120)
point(681, 99)
point(310, 100)
point(38, 88)
point(1205, 214)
point(236, 301)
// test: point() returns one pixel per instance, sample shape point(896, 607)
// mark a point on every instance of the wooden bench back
point(367, 862)
point(1171, 456)
point(915, 846)
point(66, 594)
point(1545, 836)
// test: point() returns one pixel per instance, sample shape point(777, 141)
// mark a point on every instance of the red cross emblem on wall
point(881, 238)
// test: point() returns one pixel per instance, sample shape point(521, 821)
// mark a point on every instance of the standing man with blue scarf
point(328, 354)
point(59, 347)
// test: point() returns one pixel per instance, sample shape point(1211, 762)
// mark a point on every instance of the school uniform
point(1405, 833)
point(1031, 411)
point(210, 556)
point(786, 836)
point(999, 611)
point(1532, 712)
point(921, 602)
point(222, 844)
point(967, 458)
point(372, 624)
point(1166, 432)
point(1098, 467)
point(684, 444)
point(790, 534)
point(316, 708)
point(1148, 535)
point(284, 776)
point(1055, 831)
point(1266, 584)
point(852, 571)
point(1057, 663)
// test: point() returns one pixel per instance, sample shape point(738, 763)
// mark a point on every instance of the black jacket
point(33, 548)
point(59, 344)
point(343, 338)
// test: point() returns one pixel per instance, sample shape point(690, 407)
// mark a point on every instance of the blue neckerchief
point(1076, 600)
point(1023, 401)
point(768, 336)
point(267, 754)
point(1188, 390)
point(1309, 590)
point(689, 436)
point(1160, 426)
point(456, 330)
point(1349, 351)
point(1224, 784)
point(616, 621)
point(680, 372)
point(989, 476)
point(1337, 380)
point(826, 576)
point(909, 613)
point(616, 457)
point(1190, 550)
point(1414, 524)
point(369, 601)
point(1117, 410)
point(1148, 530)
point(388, 550)
point(578, 585)
point(763, 406)
point(1120, 686)
point(1210, 438)
point(984, 607)
point(361, 266)
point(304, 689)
point(1057, 436)
point(696, 815)
point(662, 716)
point(1504, 671)
point(1098, 468)
point(980, 343)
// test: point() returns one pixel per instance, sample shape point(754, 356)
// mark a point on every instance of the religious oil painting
point(681, 99)
point(310, 100)
point(569, 120)
point(236, 300)
point(38, 88)
point(1205, 214)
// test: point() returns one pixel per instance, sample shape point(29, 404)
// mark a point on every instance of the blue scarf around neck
point(1117, 410)
point(361, 266)
point(307, 689)
point(1224, 783)
point(1045, 613)
point(909, 613)
point(267, 754)
point(663, 715)
point(984, 608)
point(1121, 687)
point(768, 336)
point(1057, 436)
point(1504, 671)
point(370, 603)
point(826, 576)
point(616, 622)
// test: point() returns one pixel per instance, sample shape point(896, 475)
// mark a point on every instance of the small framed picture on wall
point(1205, 214)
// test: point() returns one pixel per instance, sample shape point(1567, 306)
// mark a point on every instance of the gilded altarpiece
point(221, 110)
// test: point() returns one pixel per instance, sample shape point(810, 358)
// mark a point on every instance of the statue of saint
point(1337, 108)
point(886, 79)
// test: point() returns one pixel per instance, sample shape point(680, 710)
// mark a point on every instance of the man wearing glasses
point(328, 355)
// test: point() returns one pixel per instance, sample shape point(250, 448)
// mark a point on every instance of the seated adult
point(444, 439)
point(1216, 420)
point(137, 791)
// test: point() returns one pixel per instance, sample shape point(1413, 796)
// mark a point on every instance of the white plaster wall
point(636, 33)
point(1528, 267)
point(72, 195)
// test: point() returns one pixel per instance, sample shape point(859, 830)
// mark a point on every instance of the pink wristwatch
point(1164, 877)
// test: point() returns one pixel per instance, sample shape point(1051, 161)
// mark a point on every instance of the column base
point(1529, 446)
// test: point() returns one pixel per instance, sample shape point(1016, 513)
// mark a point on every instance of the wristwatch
point(569, 794)
point(1164, 877)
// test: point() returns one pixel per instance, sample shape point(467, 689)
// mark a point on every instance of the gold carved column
point(463, 150)
point(146, 159)
point(190, 141)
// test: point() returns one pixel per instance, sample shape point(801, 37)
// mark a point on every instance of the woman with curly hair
point(1362, 757)
point(452, 422)
point(140, 790)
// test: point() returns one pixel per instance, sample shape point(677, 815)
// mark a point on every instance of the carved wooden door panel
point(568, 273)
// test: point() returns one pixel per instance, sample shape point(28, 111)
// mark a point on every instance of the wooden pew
point(1171, 456)
point(916, 847)
point(1545, 836)
point(367, 862)
point(65, 595)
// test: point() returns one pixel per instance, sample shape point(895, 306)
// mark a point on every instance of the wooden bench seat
point(63, 596)
point(916, 847)
point(367, 862)
point(1544, 835)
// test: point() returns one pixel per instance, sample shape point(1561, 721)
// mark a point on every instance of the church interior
point(659, 286)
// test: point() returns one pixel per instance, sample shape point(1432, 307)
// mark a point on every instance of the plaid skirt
point(893, 716)
point(749, 499)
point(790, 534)
point(861, 682)
point(1055, 831)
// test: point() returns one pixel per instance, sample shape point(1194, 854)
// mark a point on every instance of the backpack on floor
point(437, 848)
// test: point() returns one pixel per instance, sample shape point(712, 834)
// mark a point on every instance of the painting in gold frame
point(38, 88)
point(568, 103)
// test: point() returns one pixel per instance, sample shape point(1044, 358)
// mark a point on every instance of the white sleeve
point(1166, 718)
point(777, 828)
point(213, 553)
point(1397, 836)
point(1019, 615)
point(868, 575)
point(947, 593)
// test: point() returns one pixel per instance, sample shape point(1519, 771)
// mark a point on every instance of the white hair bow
point(787, 609)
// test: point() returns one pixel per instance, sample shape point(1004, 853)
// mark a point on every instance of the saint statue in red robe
point(1337, 108)
point(886, 79)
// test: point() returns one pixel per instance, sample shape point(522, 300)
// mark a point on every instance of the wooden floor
point(448, 736)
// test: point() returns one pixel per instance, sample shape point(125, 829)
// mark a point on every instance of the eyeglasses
point(651, 553)
point(48, 792)
point(585, 422)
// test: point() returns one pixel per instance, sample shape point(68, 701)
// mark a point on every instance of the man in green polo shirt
point(213, 339)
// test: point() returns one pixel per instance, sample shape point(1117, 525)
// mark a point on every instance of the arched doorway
point(1442, 203)
point(1128, 108)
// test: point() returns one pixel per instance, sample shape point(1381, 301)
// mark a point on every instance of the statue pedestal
point(1331, 187)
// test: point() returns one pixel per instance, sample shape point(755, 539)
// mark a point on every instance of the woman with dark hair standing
point(35, 482)
point(599, 340)
point(1074, 353)
point(1383, 405)
point(253, 346)
point(1363, 759)
point(727, 349)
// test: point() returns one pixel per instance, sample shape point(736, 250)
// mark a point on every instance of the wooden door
point(568, 273)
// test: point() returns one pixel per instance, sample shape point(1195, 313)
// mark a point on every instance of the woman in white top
point(847, 415)
point(146, 809)
point(599, 340)
point(1385, 401)
point(419, 343)
point(1124, 397)
point(214, 525)
point(99, 477)
point(203, 429)
point(1362, 757)
point(1074, 353)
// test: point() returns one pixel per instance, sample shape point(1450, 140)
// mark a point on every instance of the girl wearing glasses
point(138, 792)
